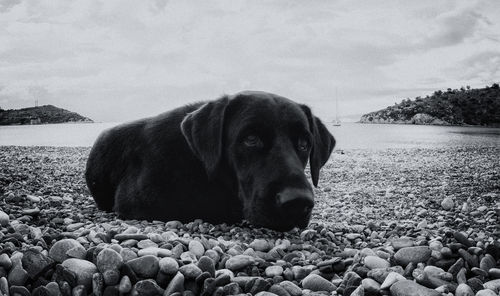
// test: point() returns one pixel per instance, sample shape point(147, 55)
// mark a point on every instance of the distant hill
point(39, 115)
point(462, 106)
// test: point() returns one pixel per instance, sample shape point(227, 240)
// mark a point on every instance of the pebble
point(190, 271)
point(147, 287)
point(374, 262)
point(83, 269)
point(4, 219)
point(410, 288)
point(239, 261)
point(125, 285)
point(391, 278)
point(109, 259)
point(5, 261)
point(370, 286)
point(146, 266)
point(205, 263)
point(461, 238)
point(291, 288)
point(493, 285)
point(315, 282)
point(272, 271)
point(486, 292)
point(196, 248)
point(175, 285)
point(412, 254)
point(464, 290)
point(447, 204)
point(261, 245)
point(59, 249)
point(17, 276)
point(168, 265)
point(36, 263)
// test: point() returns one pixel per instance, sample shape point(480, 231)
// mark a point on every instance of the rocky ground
point(394, 222)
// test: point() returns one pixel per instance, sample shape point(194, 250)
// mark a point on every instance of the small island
point(40, 115)
point(464, 106)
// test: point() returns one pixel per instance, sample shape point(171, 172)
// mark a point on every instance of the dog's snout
point(295, 202)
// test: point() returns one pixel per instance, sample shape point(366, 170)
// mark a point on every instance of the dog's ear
point(322, 146)
point(203, 130)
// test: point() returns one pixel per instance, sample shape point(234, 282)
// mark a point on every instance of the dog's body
point(222, 161)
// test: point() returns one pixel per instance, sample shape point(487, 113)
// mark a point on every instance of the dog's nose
point(295, 202)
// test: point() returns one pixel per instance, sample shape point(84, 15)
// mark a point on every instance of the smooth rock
point(190, 271)
point(464, 290)
point(261, 245)
point(97, 284)
point(146, 243)
point(111, 277)
point(265, 293)
point(402, 242)
point(77, 252)
point(278, 290)
point(4, 219)
point(83, 269)
point(206, 263)
point(493, 285)
point(494, 273)
point(5, 261)
point(159, 252)
point(147, 288)
point(374, 262)
point(59, 249)
point(447, 204)
point(145, 267)
point(486, 292)
point(371, 287)
point(487, 263)
point(239, 261)
point(168, 265)
point(291, 288)
point(36, 263)
point(109, 259)
point(410, 288)
point(196, 248)
point(412, 254)
point(274, 270)
point(391, 278)
point(175, 285)
point(125, 285)
point(315, 282)
point(461, 238)
point(17, 276)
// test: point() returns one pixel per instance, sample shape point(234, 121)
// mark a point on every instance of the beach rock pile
point(53, 241)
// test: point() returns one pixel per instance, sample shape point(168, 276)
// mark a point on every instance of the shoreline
point(420, 124)
point(370, 205)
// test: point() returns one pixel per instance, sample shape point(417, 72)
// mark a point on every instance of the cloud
point(125, 59)
point(6, 5)
point(483, 66)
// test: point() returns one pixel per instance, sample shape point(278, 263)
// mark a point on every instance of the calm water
point(348, 136)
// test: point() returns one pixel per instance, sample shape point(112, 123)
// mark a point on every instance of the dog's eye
point(303, 144)
point(253, 141)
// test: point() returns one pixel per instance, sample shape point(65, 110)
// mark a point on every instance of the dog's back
point(121, 148)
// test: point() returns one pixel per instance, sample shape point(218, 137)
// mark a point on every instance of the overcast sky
point(121, 60)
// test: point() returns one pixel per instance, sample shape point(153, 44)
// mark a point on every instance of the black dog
point(238, 157)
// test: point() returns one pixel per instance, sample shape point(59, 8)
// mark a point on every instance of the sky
point(123, 60)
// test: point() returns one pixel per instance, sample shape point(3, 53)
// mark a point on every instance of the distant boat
point(336, 121)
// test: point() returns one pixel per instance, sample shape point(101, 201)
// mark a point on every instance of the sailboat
point(336, 121)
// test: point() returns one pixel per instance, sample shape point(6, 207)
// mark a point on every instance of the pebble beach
point(402, 222)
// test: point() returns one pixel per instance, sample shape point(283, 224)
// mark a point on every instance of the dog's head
point(265, 141)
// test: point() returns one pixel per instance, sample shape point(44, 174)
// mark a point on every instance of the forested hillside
point(464, 106)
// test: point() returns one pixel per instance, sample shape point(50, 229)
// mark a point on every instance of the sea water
point(348, 135)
